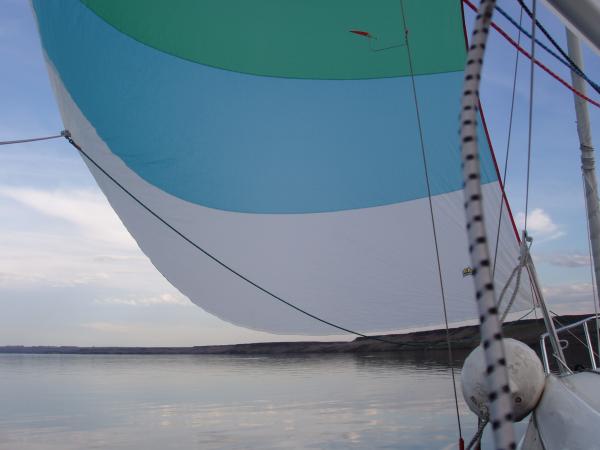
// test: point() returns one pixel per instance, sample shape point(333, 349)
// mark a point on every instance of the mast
point(587, 155)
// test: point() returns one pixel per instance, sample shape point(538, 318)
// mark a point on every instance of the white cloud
point(36, 257)
point(161, 299)
point(86, 209)
point(540, 225)
point(107, 327)
point(67, 238)
point(570, 298)
point(116, 258)
point(570, 260)
point(568, 291)
point(7, 278)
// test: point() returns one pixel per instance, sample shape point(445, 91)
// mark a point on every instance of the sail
point(282, 139)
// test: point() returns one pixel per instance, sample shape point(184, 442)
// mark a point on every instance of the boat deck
point(568, 415)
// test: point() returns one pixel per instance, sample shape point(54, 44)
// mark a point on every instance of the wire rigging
point(476, 440)
point(530, 121)
point(70, 139)
point(35, 139)
point(519, 27)
point(574, 66)
point(67, 135)
point(525, 315)
point(510, 123)
point(564, 59)
point(433, 226)
point(510, 40)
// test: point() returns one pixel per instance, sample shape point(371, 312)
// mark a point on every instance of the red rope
point(539, 64)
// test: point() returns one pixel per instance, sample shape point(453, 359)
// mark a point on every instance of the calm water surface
point(228, 402)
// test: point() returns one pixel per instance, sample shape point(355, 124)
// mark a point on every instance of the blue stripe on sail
point(252, 144)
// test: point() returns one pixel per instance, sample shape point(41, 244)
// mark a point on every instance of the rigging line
point(476, 440)
point(523, 253)
point(567, 62)
point(514, 295)
point(530, 124)
point(511, 41)
point(519, 27)
point(68, 137)
point(435, 239)
point(506, 286)
point(576, 68)
point(510, 122)
point(23, 141)
point(214, 258)
point(525, 315)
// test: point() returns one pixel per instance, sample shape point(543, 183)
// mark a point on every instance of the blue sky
point(70, 273)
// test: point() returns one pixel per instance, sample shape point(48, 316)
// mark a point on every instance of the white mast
point(587, 155)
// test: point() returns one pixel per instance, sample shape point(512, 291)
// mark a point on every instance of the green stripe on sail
point(297, 39)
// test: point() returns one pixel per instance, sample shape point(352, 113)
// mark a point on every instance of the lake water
point(229, 402)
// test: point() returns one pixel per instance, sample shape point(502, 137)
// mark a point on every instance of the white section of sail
point(370, 270)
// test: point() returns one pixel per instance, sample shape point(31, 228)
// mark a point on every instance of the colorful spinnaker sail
point(285, 146)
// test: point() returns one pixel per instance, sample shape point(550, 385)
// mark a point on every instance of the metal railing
point(588, 343)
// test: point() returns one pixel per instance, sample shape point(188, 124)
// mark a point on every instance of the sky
point(70, 274)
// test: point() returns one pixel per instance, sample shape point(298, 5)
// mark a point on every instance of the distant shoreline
point(465, 338)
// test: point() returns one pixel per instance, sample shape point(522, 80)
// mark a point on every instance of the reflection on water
point(229, 402)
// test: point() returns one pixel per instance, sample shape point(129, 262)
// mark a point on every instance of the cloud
point(69, 238)
point(540, 225)
point(571, 298)
point(161, 299)
point(568, 291)
point(86, 209)
point(36, 257)
point(570, 260)
point(107, 327)
point(7, 278)
point(116, 258)
point(13, 279)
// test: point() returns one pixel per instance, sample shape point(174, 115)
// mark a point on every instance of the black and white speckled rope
point(501, 416)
